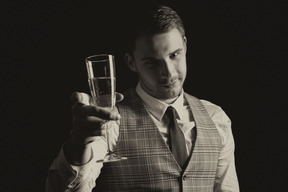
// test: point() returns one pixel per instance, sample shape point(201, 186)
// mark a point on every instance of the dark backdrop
point(236, 57)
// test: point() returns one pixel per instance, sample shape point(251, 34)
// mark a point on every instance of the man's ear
point(130, 62)
point(185, 43)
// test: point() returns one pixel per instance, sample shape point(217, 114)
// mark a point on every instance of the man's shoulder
point(209, 104)
point(218, 116)
point(210, 107)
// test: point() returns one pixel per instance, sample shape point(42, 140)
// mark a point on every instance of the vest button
point(184, 177)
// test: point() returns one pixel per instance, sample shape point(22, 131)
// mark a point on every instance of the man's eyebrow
point(177, 50)
point(147, 58)
point(153, 58)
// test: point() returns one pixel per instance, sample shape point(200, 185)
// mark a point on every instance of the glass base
point(112, 157)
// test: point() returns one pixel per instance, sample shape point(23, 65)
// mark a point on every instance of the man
point(145, 125)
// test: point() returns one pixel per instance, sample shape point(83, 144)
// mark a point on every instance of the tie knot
point(171, 112)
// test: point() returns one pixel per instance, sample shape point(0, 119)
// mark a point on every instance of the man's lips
point(169, 85)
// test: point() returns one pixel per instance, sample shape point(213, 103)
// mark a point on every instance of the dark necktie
point(177, 139)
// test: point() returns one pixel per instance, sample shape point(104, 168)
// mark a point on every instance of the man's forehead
point(163, 43)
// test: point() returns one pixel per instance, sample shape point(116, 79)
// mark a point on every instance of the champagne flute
point(102, 83)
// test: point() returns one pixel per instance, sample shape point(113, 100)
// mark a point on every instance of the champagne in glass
point(102, 91)
point(102, 83)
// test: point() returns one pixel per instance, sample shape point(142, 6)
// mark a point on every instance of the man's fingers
point(82, 110)
point(89, 122)
point(75, 97)
point(81, 98)
point(105, 114)
point(87, 100)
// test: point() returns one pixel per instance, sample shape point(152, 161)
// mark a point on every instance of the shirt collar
point(157, 107)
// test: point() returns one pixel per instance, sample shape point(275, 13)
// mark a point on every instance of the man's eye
point(174, 55)
point(148, 62)
point(151, 62)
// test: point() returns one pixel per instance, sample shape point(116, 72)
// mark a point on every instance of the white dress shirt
point(63, 176)
point(157, 109)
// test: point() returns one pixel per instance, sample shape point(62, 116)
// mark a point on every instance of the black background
point(236, 56)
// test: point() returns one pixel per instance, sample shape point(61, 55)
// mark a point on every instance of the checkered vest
point(150, 165)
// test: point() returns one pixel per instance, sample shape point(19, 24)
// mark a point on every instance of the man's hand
point(87, 124)
point(88, 118)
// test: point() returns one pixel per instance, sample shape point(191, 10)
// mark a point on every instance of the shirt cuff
point(76, 175)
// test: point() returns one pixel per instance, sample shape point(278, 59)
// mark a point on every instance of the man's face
point(160, 62)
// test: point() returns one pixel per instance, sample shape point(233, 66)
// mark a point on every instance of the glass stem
point(107, 138)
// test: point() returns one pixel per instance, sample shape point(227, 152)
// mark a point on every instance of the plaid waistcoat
point(150, 165)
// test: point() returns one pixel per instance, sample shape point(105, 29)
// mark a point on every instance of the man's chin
point(168, 94)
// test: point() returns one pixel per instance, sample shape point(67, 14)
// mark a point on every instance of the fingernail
point(118, 116)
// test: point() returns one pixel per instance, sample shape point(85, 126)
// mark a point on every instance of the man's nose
point(167, 69)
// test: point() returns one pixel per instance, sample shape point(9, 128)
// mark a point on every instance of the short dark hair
point(152, 19)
